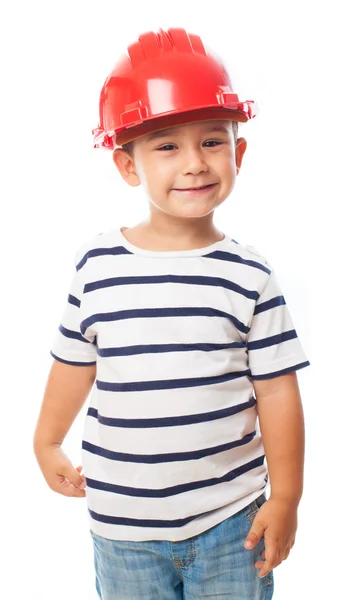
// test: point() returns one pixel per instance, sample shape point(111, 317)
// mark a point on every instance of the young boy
point(188, 339)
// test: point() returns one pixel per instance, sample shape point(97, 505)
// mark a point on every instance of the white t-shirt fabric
point(171, 444)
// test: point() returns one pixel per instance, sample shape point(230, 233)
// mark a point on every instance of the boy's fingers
point(259, 564)
point(255, 534)
point(265, 568)
point(272, 559)
point(70, 482)
point(286, 554)
point(66, 488)
point(83, 484)
point(74, 477)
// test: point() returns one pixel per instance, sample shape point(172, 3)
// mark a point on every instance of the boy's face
point(187, 170)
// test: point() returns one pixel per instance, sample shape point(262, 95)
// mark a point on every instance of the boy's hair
point(129, 146)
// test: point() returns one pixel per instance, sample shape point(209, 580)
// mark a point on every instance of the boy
point(188, 339)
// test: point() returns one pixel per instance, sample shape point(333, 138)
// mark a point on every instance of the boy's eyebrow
point(157, 134)
point(170, 130)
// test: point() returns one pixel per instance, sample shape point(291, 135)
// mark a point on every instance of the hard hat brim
point(171, 120)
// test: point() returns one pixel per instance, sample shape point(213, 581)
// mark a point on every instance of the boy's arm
point(282, 428)
point(66, 391)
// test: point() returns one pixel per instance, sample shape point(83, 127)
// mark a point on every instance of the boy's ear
point(240, 148)
point(125, 165)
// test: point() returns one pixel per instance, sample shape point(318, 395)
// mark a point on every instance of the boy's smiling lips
point(196, 188)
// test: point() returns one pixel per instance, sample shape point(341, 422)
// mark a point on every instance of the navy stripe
point(71, 362)
point(145, 313)
point(157, 348)
point(272, 340)
point(171, 421)
point(142, 522)
point(282, 372)
point(231, 257)
point(174, 489)
point(73, 300)
point(277, 301)
point(75, 335)
point(167, 384)
point(165, 458)
point(184, 279)
point(116, 250)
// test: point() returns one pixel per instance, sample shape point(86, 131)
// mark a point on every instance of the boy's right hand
point(59, 472)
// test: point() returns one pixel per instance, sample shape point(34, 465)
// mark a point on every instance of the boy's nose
point(194, 162)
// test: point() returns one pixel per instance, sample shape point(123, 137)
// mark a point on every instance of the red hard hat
point(166, 79)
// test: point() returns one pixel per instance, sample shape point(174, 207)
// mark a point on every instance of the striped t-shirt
point(171, 443)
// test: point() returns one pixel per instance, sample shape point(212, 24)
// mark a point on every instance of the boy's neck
point(172, 237)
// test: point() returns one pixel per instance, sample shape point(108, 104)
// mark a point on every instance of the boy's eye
point(212, 143)
point(167, 147)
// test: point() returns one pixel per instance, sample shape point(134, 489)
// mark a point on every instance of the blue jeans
point(213, 564)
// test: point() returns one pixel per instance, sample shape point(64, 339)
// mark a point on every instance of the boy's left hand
point(277, 521)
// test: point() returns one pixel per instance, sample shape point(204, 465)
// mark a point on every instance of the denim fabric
point(212, 565)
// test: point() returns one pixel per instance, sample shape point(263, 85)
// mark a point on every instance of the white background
point(296, 200)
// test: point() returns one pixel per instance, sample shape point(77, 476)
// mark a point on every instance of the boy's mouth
point(195, 189)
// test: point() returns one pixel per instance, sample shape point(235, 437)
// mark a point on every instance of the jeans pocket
point(254, 506)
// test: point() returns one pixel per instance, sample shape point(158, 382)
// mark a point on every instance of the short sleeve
point(69, 345)
point(273, 345)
